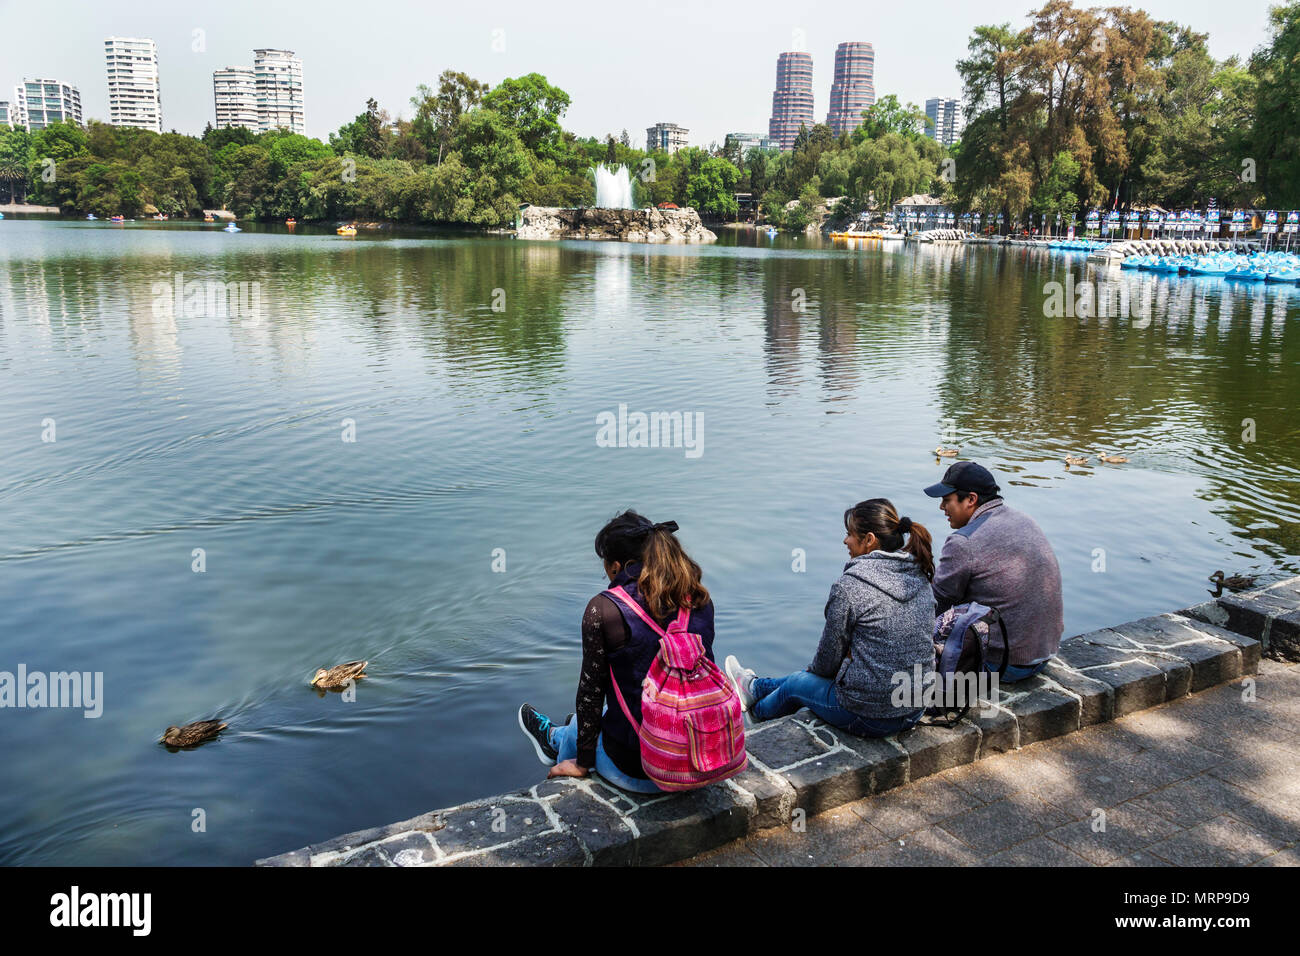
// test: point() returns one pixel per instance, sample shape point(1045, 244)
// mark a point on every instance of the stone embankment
point(940, 235)
point(1161, 247)
point(626, 225)
point(798, 762)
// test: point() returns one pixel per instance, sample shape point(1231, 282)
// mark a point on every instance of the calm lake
point(202, 531)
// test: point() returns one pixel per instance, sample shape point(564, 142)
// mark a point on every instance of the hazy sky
point(708, 66)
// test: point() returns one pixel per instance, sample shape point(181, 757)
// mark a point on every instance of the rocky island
point(627, 225)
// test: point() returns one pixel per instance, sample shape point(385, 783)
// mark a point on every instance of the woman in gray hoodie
point(879, 625)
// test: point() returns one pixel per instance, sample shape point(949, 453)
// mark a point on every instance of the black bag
point(964, 645)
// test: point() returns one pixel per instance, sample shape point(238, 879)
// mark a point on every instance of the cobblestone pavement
point(1211, 779)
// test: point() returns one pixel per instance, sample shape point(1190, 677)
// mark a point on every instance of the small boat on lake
point(346, 230)
point(231, 227)
point(117, 219)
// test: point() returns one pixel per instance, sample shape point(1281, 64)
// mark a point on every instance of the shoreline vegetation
point(1080, 108)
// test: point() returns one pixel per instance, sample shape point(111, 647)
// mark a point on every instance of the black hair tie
point(904, 525)
point(669, 526)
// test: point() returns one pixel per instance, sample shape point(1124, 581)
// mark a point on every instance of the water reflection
point(472, 369)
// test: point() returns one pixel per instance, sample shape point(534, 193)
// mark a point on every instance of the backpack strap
point(622, 703)
point(626, 599)
point(994, 614)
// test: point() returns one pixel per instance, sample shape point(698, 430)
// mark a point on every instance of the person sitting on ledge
point(649, 563)
point(1000, 558)
point(879, 624)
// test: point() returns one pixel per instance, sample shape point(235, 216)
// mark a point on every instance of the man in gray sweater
point(999, 557)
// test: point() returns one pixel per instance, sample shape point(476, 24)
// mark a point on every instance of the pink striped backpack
point(692, 732)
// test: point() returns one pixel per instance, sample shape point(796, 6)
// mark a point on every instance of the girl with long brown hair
point(647, 561)
point(879, 622)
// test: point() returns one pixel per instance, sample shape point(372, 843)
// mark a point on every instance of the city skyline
point(365, 56)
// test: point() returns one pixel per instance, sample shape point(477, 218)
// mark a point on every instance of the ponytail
point(878, 516)
point(669, 579)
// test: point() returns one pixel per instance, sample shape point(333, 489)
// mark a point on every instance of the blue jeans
point(565, 740)
point(779, 696)
point(1015, 672)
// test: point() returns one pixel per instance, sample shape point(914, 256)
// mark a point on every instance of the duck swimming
point(1233, 582)
point(336, 677)
point(192, 734)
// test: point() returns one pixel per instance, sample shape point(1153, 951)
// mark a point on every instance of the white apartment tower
point(277, 76)
point(235, 91)
point(134, 97)
point(40, 102)
point(945, 120)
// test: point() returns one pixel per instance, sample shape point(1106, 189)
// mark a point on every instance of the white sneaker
point(741, 678)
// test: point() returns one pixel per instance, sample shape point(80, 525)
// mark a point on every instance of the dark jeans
point(1015, 672)
point(779, 696)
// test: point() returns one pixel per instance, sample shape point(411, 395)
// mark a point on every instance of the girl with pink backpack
point(654, 712)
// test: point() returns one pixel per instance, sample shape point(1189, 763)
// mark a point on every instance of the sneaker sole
point(541, 754)
point(740, 695)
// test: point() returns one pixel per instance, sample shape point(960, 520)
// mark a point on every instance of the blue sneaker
point(537, 728)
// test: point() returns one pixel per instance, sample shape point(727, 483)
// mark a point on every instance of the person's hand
point(567, 768)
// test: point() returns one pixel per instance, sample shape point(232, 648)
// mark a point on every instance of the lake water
point(472, 372)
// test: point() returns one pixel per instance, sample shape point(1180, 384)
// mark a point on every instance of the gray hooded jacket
point(879, 622)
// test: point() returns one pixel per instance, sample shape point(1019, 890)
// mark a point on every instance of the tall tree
point(438, 112)
point(1277, 108)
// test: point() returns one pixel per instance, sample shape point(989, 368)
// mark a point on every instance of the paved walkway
point(1209, 779)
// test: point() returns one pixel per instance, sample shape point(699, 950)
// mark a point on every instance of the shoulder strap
point(683, 614)
point(622, 703)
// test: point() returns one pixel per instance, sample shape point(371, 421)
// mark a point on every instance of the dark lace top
point(603, 631)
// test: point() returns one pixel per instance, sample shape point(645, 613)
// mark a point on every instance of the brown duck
point(339, 676)
point(1233, 582)
point(192, 734)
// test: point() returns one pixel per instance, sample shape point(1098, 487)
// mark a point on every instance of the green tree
point(711, 189)
point(889, 116)
point(532, 107)
point(438, 112)
point(365, 135)
point(1276, 145)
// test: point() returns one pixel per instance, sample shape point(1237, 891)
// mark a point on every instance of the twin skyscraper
point(852, 91)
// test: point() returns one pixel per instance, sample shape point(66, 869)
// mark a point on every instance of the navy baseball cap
point(965, 476)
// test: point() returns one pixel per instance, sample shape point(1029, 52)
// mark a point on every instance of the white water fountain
point(613, 188)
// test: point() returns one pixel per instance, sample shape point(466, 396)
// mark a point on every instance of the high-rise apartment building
point(666, 138)
point(853, 89)
point(792, 101)
point(748, 141)
point(945, 121)
point(11, 113)
point(134, 95)
point(40, 102)
point(277, 76)
point(234, 91)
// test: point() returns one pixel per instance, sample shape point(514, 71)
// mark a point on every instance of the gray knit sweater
point(1006, 563)
point(879, 623)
